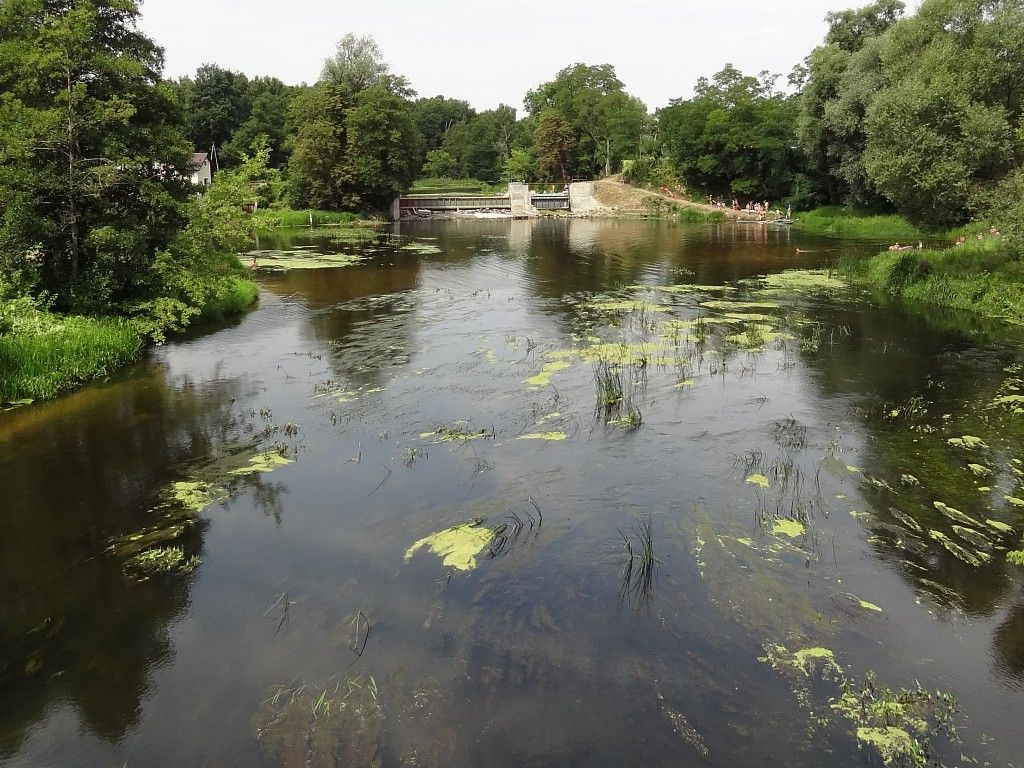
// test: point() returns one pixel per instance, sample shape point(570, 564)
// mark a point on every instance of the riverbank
point(45, 354)
point(834, 221)
point(277, 218)
point(983, 276)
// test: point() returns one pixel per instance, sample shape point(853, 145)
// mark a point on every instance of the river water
point(687, 516)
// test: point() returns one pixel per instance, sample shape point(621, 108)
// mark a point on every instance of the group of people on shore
point(762, 208)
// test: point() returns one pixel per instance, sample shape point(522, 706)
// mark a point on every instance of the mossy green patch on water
point(196, 495)
point(953, 514)
point(1014, 501)
point(804, 280)
point(543, 378)
point(458, 546)
point(456, 432)
point(976, 559)
point(1016, 557)
point(739, 305)
point(999, 526)
point(979, 470)
point(282, 261)
point(805, 660)
point(626, 305)
point(543, 436)
point(267, 461)
point(759, 480)
point(787, 527)
point(972, 537)
point(162, 560)
point(867, 605)
point(894, 745)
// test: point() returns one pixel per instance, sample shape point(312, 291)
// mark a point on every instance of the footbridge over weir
point(518, 202)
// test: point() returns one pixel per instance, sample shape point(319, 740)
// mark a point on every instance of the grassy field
point(839, 222)
point(275, 218)
point(42, 354)
point(983, 276)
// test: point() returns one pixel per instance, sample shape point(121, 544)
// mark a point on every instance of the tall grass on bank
point(43, 354)
point(234, 298)
point(839, 222)
point(437, 185)
point(274, 218)
point(982, 276)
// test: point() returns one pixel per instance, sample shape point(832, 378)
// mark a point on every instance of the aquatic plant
point(555, 436)
point(640, 563)
point(458, 546)
point(267, 461)
point(303, 724)
point(456, 432)
point(162, 560)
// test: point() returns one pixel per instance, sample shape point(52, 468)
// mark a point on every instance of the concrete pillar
point(519, 195)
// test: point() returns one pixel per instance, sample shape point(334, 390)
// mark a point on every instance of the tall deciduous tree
point(555, 142)
point(89, 147)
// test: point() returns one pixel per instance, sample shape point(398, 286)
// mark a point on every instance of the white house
point(202, 169)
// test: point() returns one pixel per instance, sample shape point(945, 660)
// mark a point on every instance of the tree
point(606, 123)
point(437, 115)
point(521, 165)
point(316, 170)
point(358, 64)
point(439, 164)
point(849, 30)
point(482, 145)
point(556, 146)
point(92, 161)
point(268, 101)
point(215, 105)
point(383, 149)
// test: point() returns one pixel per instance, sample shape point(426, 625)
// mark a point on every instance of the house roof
point(199, 159)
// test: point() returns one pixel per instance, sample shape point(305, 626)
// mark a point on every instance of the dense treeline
point(918, 115)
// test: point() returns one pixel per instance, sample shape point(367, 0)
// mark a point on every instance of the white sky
point(493, 51)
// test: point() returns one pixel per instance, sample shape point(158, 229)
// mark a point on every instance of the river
point(511, 493)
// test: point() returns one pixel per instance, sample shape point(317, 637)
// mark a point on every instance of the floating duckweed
point(867, 606)
point(979, 470)
point(851, 468)
point(280, 261)
point(1016, 557)
point(1015, 501)
point(196, 495)
point(543, 378)
point(543, 436)
point(733, 305)
point(805, 660)
point(910, 481)
point(906, 519)
point(759, 480)
point(163, 560)
point(967, 442)
point(788, 527)
point(804, 280)
point(267, 461)
point(626, 306)
point(747, 542)
point(457, 546)
point(893, 744)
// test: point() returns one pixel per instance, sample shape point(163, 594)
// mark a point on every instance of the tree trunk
point(72, 191)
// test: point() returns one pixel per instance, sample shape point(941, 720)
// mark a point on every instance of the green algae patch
point(162, 560)
point(543, 378)
point(453, 433)
point(999, 526)
point(806, 660)
point(812, 280)
point(1016, 557)
point(755, 336)
point(727, 306)
point(967, 442)
point(626, 306)
point(786, 527)
point(759, 480)
point(953, 514)
point(979, 470)
point(267, 461)
point(976, 559)
point(972, 537)
point(894, 745)
point(196, 495)
point(543, 436)
point(1014, 501)
point(458, 546)
point(868, 606)
point(283, 261)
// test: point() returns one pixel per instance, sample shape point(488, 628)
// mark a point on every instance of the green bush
point(274, 218)
point(840, 222)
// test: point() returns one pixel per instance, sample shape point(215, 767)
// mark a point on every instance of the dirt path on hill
point(619, 196)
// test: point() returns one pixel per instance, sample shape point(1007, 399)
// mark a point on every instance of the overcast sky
point(493, 51)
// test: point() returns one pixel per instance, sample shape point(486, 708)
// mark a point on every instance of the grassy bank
point(982, 276)
point(839, 222)
point(440, 186)
point(275, 218)
point(234, 298)
point(43, 354)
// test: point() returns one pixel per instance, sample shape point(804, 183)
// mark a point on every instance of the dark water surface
point(302, 634)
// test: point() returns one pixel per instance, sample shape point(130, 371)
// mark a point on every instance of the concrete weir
point(518, 203)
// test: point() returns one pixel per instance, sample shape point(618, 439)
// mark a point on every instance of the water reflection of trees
point(76, 472)
point(881, 360)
